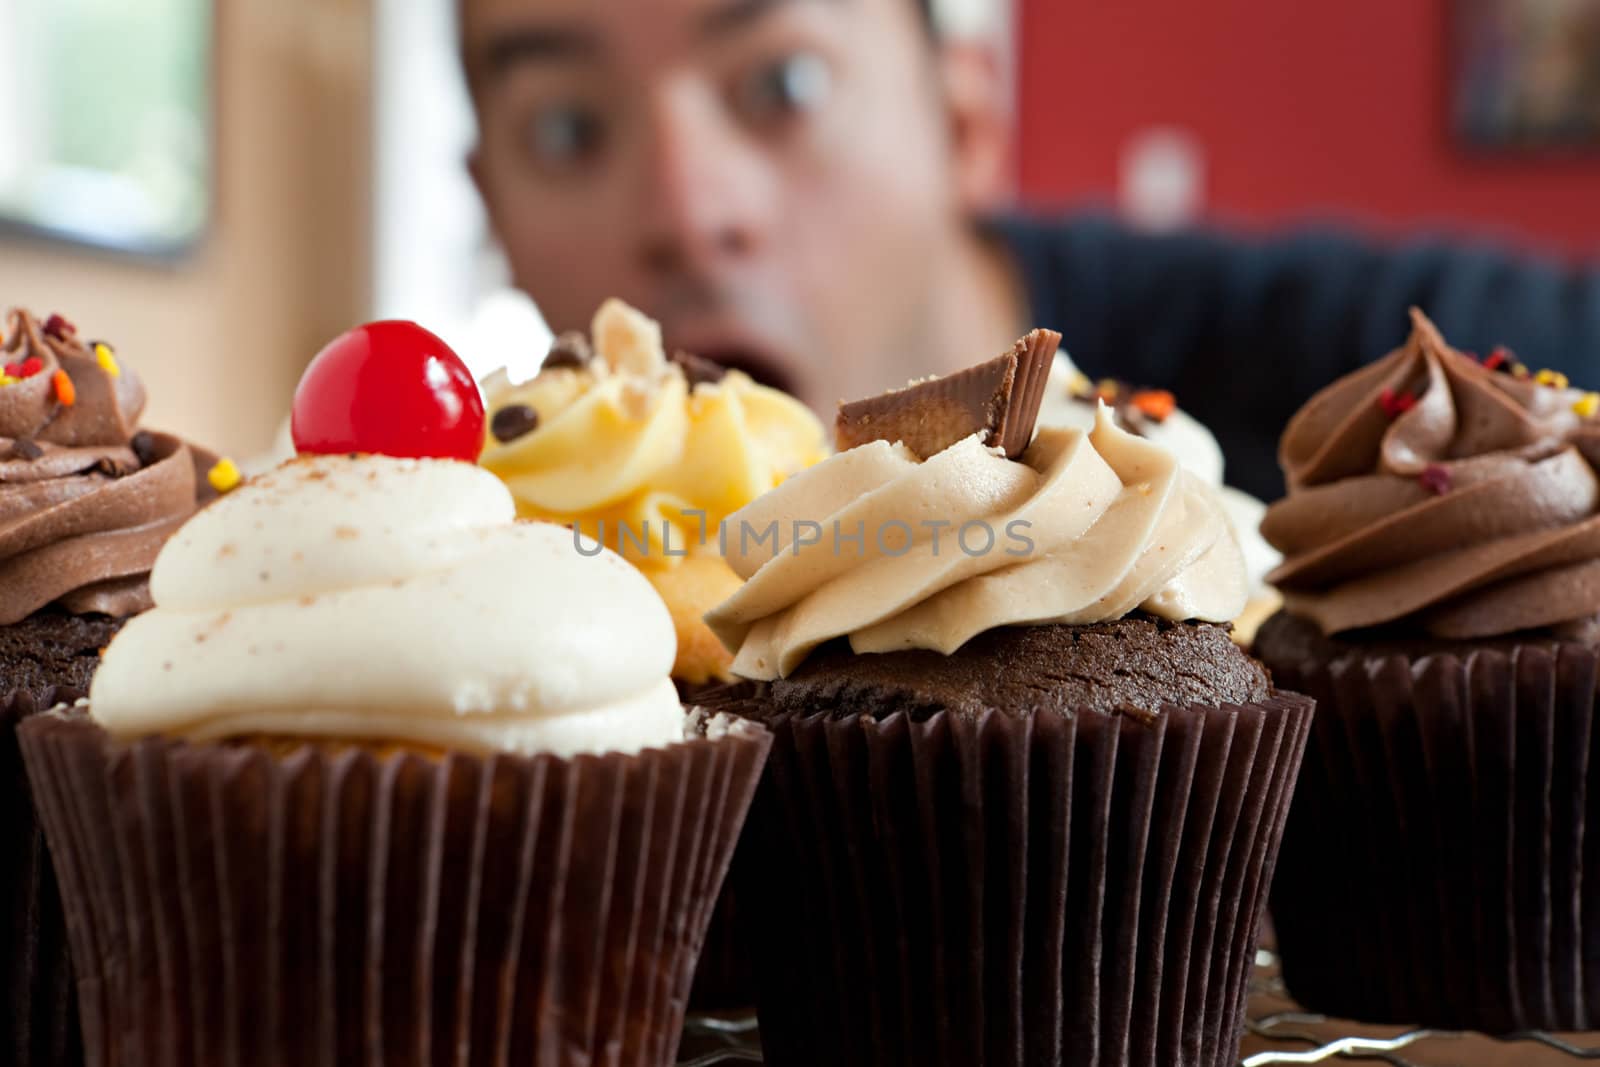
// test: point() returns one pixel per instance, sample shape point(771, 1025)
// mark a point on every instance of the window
point(105, 121)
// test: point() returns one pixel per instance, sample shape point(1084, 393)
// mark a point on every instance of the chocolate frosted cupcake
point(375, 783)
point(1025, 792)
point(1442, 588)
point(86, 500)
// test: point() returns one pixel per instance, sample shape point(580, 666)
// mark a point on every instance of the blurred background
point(219, 186)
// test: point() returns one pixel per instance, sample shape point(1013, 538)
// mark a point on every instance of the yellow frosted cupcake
point(647, 454)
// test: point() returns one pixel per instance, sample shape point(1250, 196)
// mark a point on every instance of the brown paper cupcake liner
point(1015, 890)
point(341, 906)
point(38, 1011)
point(1443, 850)
point(724, 980)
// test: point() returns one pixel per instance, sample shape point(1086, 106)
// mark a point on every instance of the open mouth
point(764, 368)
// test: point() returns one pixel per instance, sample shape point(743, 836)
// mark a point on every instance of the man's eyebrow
point(531, 44)
point(736, 15)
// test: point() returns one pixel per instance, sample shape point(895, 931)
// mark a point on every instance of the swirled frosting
point(85, 501)
point(320, 600)
point(894, 553)
point(623, 439)
point(625, 448)
point(1430, 491)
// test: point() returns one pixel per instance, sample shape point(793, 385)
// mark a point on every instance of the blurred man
point(806, 189)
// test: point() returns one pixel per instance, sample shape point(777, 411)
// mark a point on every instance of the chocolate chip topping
point(999, 398)
point(143, 445)
point(512, 422)
point(698, 369)
point(571, 349)
point(24, 448)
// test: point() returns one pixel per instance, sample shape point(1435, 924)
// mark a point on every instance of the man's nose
point(707, 188)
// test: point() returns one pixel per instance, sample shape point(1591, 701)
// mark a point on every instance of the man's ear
point(978, 102)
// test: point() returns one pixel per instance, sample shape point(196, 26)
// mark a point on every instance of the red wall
point(1305, 108)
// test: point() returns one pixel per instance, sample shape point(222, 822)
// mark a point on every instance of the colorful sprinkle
point(1396, 404)
point(7, 379)
point(224, 475)
point(1435, 479)
point(1107, 388)
point(59, 328)
point(66, 392)
point(1519, 370)
point(1079, 384)
point(24, 449)
point(1587, 405)
point(1498, 358)
point(107, 359)
point(1553, 378)
point(1157, 404)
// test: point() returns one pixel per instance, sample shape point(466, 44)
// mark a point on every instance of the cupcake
point(648, 455)
point(1071, 400)
point(1442, 595)
point(86, 500)
point(380, 783)
point(1025, 792)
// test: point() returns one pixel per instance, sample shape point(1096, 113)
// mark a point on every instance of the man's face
point(769, 178)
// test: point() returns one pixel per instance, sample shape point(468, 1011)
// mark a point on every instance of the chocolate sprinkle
point(698, 369)
point(144, 447)
point(571, 349)
point(25, 448)
point(512, 422)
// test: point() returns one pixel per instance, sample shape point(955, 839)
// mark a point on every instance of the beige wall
point(220, 338)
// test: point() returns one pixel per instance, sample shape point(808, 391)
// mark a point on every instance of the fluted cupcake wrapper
point(1444, 845)
point(325, 905)
point(39, 1013)
point(724, 979)
point(1015, 890)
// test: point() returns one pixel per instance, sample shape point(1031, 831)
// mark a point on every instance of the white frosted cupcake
point(386, 771)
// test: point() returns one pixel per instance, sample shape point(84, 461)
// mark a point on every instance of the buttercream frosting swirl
point(624, 442)
point(83, 511)
point(319, 600)
point(896, 553)
point(1428, 491)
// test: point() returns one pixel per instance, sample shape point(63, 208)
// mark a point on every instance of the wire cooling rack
point(1277, 1033)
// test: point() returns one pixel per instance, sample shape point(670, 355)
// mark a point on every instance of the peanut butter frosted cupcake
point(1442, 584)
point(1025, 794)
point(374, 780)
point(648, 454)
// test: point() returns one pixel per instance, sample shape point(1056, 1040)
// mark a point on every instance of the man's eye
point(796, 83)
point(564, 135)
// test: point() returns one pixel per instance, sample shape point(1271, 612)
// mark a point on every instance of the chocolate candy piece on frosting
point(571, 349)
point(999, 398)
point(698, 369)
point(512, 421)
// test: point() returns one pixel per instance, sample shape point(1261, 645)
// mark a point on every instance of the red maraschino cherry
point(392, 388)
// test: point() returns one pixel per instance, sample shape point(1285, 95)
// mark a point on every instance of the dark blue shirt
point(1245, 331)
